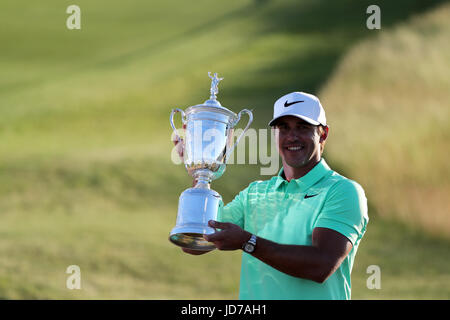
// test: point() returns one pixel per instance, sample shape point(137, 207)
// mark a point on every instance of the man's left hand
point(231, 236)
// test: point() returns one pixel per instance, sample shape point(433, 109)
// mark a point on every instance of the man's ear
point(324, 134)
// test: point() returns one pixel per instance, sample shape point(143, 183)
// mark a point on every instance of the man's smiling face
point(299, 142)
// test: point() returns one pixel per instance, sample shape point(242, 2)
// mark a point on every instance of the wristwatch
point(250, 245)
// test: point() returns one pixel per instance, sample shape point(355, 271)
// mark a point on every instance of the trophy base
point(195, 208)
point(190, 239)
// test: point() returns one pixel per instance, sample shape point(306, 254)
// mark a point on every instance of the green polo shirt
point(287, 213)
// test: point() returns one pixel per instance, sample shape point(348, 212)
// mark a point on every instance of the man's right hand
point(179, 144)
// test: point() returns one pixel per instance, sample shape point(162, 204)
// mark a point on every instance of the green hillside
point(86, 175)
point(395, 119)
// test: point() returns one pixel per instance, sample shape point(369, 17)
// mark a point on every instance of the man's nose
point(292, 134)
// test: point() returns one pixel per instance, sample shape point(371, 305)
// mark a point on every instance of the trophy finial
point(214, 85)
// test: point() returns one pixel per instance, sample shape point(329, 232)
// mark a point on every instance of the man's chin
point(300, 163)
point(297, 164)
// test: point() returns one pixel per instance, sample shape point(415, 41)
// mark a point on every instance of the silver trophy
point(208, 144)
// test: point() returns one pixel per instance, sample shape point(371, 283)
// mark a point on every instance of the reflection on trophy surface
point(208, 144)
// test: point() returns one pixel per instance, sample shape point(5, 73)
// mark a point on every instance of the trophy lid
point(212, 102)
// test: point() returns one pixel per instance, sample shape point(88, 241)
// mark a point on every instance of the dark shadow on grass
point(334, 26)
point(324, 16)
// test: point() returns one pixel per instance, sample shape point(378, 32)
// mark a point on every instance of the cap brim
point(309, 120)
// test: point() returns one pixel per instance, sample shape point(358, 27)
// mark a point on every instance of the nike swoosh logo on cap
point(310, 196)
point(286, 104)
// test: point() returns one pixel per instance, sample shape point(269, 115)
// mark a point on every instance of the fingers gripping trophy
point(208, 145)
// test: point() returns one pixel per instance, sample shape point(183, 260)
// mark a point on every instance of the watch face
point(249, 247)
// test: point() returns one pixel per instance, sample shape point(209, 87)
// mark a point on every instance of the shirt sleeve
point(345, 210)
point(234, 211)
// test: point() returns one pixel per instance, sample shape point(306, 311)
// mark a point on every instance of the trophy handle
point(183, 119)
point(250, 120)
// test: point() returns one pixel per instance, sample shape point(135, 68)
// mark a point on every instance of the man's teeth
point(294, 148)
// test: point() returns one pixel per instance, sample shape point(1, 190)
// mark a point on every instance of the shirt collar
point(314, 175)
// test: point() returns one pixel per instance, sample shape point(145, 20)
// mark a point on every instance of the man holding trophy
point(299, 230)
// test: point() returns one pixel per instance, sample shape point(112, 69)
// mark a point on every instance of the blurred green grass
point(85, 157)
point(397, 123)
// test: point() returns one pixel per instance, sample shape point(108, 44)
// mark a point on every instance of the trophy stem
point(204, 178)
point(202, 184)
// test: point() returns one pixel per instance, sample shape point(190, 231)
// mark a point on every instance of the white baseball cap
point(301, 105)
